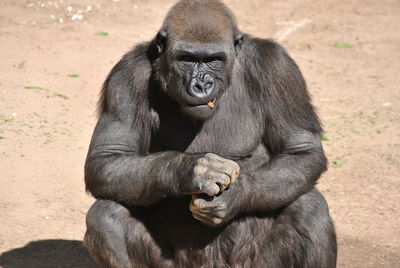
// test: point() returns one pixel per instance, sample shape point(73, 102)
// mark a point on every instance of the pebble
point(77, 17)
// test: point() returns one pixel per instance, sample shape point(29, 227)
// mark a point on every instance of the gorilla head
point(197, 48)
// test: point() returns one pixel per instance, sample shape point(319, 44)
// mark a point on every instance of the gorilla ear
point(237, 39)
point(161, 40)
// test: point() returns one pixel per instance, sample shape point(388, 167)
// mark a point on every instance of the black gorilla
point(206, 153)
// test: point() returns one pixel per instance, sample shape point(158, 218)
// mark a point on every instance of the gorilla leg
point(303, 235)
point(114, 238)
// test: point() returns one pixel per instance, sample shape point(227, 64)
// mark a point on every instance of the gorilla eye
point(187, 58)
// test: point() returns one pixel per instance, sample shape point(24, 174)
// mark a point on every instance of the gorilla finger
point(203, 221)
point(199, 170)
point(213, 209)
point(205, 187)
point(206, 206)
point(192, 207)
point(211, 189)
point(200, 203)
point(213, 222)
point(211, 214)
point(235, 174)
point(208, 218)
point(229, 168)
point(221, 179)
point(196, 205)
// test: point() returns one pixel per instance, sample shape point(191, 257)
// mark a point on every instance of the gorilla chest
point(227, 138)
point(231, 135)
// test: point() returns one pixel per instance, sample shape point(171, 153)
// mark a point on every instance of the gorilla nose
point(201, 87)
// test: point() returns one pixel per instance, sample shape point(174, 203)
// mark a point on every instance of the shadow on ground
point(48, 254)
point(72, 254)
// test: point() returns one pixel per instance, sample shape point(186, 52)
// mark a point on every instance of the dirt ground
point(55, 55)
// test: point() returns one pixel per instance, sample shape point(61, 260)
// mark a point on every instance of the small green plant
point(21, 65)
point(338, 162)
point(35, 88)
point(73, 75)
point(5, 118)
point(102, 33)
point(343, 45)
point(324, 137)
point(62, 96)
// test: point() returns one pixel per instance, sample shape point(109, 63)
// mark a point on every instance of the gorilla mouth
point(200, 111)
point(210, 104)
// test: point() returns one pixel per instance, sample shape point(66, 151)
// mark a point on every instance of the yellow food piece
point(210, 104)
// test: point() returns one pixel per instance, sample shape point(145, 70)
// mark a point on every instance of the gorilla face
point(197, 73)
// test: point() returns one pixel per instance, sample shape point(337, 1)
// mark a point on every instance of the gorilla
point(206, 153)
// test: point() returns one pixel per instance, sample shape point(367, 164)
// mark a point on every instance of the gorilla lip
point(210, 104)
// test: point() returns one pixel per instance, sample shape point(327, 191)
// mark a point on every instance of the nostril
point(201, 88)
point(208, 85)
point(198, 87)
point(208, 82)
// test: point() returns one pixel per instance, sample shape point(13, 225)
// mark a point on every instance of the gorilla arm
point(292, 134)
point(290, 174)
point(117, 166)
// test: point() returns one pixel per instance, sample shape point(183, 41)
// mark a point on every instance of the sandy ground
point(347, 50)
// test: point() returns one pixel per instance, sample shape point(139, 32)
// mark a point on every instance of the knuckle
point(235, 166)
point(222, 180)
point(202, 161)
point(208, 191)
point(221, 215)
point(199, 170)
point(217, 221)
point(226, 180)
point(212, 187)
point(197, 203)
point(192, 208)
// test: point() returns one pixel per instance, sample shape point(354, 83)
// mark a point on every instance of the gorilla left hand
point(217, 210)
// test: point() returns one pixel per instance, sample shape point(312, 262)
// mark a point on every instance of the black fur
point(148, 143)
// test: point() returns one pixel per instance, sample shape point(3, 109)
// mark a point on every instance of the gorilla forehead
point(200, 21)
